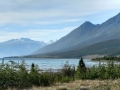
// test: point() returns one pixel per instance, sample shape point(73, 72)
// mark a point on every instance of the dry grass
point(88, 84)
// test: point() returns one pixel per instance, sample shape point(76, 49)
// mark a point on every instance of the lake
point(50, 63)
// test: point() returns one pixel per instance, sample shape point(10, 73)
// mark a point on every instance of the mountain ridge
point(86, 34)
point(59, 44)
point(109, 47)
point(18, 47)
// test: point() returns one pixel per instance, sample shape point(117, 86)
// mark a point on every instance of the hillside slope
point(85, 35)
point(109, 47)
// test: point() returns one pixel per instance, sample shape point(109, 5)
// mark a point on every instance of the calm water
point(47, 64)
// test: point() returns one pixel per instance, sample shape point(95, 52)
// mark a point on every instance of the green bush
point(101, 71)
point(16, 75)
point(68, 70)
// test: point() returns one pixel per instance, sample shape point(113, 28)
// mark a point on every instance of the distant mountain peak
point(85, 27)
point(22, 40)
point(84, 35)
point(87, 24)
point(21, 46)
point(50, 42)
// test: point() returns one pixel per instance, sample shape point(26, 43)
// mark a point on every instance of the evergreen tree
point(81, 69)
point(81, 63)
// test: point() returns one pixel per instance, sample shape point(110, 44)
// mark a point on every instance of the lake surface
point(49, 63)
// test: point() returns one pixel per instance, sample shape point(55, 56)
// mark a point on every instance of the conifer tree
point(81, 69)
point(81, 63)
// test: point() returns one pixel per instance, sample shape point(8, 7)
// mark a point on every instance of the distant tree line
point(115, 58)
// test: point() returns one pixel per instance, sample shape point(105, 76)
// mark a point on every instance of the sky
point(45, 20)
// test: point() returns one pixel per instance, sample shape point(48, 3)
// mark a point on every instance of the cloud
point(36, 34)
point(32, 17)
point(34, 11)
point(64, 15)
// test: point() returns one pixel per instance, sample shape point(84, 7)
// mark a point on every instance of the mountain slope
point(17, 47)
point(79, 34)
point(109, 47)
point(85, 35)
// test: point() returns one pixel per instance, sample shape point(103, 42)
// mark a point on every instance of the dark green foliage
point(81, 63)
point(67, 73)
point(15, 75)
point(81, 69)
point(108, 58)
point(68, 70)
point(34, 75)
point(101, 71)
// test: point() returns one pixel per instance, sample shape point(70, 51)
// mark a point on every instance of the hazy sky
point(45, 20)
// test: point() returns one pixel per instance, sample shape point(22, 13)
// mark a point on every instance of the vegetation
point(16, 75)
point(81, 70)
point(114, 58)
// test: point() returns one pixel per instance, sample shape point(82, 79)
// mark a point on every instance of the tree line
point(108, 58)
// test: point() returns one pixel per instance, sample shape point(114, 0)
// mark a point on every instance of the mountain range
point(109, 47)
point(85, 38)
point(22, 46)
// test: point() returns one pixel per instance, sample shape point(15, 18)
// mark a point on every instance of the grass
point(80, 84)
